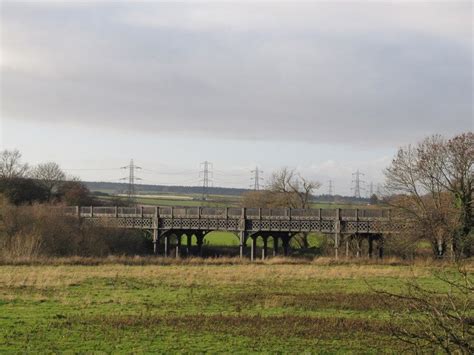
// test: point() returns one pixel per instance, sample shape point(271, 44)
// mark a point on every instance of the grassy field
point(201, 307)
point(219, 238)
point(182, 200)
point(192, 200)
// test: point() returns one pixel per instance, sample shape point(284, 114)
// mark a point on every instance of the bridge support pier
point(189, 237)
point(253, 248)
point(286, 245)
point(200, 241)
point(371, 246)
point(178, 244)
point(337, 232)
point(337, 238)
point(241, 244)
point(264, 249)
point(358, 246)
point(381, 241)
point(155, 241)
point(275, 245)
point(165, 252)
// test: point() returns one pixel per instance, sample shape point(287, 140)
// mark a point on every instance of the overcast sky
point(324, 87)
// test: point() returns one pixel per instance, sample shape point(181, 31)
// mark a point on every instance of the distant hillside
point(119, 188)
point(341, 199)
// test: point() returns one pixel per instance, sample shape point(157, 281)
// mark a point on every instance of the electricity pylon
point(256, 178)
point(357, 184)
point(206, 175)
point(131, 179)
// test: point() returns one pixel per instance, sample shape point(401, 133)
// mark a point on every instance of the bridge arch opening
point(221, 243)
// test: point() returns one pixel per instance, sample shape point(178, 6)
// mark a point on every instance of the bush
point(27, 231)
point(401, 246)
point(75, 193)
point(23, 191)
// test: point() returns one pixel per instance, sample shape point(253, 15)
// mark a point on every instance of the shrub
point(36, 230)
point(23, 191)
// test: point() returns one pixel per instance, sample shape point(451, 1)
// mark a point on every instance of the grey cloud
point(289, 76)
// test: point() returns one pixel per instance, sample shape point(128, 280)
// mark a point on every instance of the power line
point(183, 172)
point(100, 169)
point(256, 178)
point(357, 183)
point(205, 174)
point(230, 173)
point(131, 179)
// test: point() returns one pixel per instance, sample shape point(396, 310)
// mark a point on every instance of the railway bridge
point(248, 224)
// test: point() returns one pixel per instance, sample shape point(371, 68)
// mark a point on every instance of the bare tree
point(50, 176)
point(432, 183)
point(448, 165)
point(432, 320)
point(260, 198)
point(292, 190)
point(287, 188)
point(11, 166)
point(75, 193)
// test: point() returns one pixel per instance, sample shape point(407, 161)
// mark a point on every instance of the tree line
point(432, 184)
point(44, 183)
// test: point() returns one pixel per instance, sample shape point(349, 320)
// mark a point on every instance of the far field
point(196, 307)
point(220, 238)
point(190, 200)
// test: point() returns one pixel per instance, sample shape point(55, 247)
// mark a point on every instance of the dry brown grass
point(137, 260)
point(312, 301)
point(55, 272)
point(279, 326)
point(46, 276)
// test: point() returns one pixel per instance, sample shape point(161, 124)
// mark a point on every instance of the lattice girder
point(348, 225)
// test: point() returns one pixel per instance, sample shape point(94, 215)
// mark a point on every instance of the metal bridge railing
point(225, 212)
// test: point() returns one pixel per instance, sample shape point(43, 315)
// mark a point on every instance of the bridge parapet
point(228, 212)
